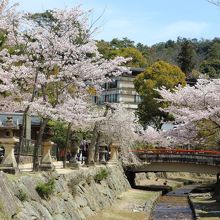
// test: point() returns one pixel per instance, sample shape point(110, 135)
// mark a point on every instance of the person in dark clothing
point(68, 156)
point(84, 150)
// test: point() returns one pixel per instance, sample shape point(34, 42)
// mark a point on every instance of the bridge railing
point(179, 155)
point(177, 151)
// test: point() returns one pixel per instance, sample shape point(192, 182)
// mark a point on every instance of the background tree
point(137, 60)
point(106, 49)
point(124, 43)
point(197, 106)
point(186, 57)
point(110, 51)
point(158, 75)
point(210, 66)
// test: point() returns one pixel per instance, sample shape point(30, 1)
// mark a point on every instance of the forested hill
point(193, 56)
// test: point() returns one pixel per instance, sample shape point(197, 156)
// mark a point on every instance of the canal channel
point(174, 205)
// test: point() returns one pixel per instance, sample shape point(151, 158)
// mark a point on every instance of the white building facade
point(121, 90)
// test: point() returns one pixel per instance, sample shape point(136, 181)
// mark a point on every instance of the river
point(174, 205)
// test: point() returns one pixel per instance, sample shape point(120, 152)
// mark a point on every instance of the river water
point(174, 205)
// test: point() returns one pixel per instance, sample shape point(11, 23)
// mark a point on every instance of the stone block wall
point(77, 194)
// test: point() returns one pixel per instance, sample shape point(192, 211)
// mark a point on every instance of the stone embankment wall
point(77, 194)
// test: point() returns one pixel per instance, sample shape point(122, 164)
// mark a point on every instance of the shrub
point(102, 174)
point(46, 189)
point(22, 196)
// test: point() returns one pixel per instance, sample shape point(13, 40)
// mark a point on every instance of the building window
point(137, 99)
point(95, 99)
point(113, 98)
point(113, 84)
point(106, 98)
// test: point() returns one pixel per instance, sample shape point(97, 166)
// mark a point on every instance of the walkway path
point(28, 166)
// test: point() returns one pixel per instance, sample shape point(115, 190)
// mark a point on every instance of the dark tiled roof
point(134, 71)
point(137, 69)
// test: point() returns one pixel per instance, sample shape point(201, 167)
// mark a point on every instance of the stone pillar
point(102, 154)
point(9, 163)
point(114, 152)
point(46, 160)
point(28, 127)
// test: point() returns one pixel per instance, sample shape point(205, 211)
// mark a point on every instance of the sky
point(144, 21)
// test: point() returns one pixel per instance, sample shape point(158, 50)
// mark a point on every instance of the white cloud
point(184, 28)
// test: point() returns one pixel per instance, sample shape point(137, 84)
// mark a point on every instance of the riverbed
point(174, 205)
point(130, 205)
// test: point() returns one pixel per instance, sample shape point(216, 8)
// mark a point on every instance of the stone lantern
point(114, 146)
point(102, 152)
point(47, 144)
point(74, 150)
point(8, 141)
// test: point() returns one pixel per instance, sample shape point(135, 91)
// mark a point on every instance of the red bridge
point(178, 160)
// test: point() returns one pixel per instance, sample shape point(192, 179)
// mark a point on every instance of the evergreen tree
point(186, 57)
point(158, 75)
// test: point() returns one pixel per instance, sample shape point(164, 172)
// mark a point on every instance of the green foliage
point(105, 49)
point(138, 59)
point(3, 37)
point(142, 145)
point(214, 50)
point(160, 74)
point(180, 52)
point(22, 196)
point(209, 132)
point(124, 43)
point(145, 50)
point(123, 48)
point(44, 18)
point(46, 189)
point(211, 64)
point(60, 131)
point(186, 57)
point(101, 175)
point(211, 68)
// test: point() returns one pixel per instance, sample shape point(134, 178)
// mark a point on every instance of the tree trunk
point(98, 137)
point(96, 159)
point(67, 144)
point(92, 146)
point(24, 120)
point(93, 150)
point(38, 144)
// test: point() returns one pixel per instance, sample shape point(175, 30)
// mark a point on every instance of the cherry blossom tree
point(201, 101)
point(192, 104)
point(151, 136)
point(17, 84)
point(120, 125)
point(57, 63)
